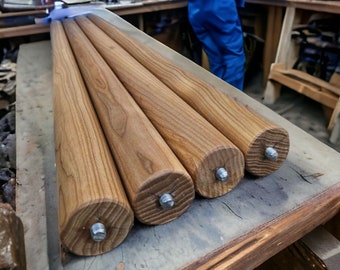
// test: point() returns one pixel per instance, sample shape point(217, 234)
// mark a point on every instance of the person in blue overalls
point(217, 25)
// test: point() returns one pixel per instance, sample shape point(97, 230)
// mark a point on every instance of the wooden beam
point(274, 22)
point(308, 90)
point(24, 30)
point(149, 6)
point(307, 78)
point(22, 13)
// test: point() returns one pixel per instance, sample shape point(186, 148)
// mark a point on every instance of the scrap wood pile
point(137, 137)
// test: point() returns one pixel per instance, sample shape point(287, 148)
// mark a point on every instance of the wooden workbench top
point(239, 230)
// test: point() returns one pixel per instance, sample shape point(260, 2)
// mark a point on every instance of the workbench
point(239, 230)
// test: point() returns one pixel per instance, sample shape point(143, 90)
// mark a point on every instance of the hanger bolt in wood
point(98, 232)
point(271, 154)
point(166, 201)
point(221, 174)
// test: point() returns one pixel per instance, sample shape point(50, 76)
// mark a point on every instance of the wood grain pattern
point(147, 165)
point(89, 187)
point(198, 145)
point(246, 129)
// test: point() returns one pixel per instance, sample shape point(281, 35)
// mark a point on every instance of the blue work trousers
point(216, 24)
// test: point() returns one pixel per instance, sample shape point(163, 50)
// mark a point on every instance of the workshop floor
point(298, 109)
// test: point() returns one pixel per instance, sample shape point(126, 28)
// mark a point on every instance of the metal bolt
point(166, 201)
point(271, 154)
point(98, 232)
point(221, 174)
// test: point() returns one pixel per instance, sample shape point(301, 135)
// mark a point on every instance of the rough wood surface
point(199, 146)
point(89, 187)
point(246, 129)
point(12, 243)
point(147, 165)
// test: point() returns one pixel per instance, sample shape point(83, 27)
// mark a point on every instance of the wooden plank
point(208, 225)
point(334, 122)
point(150, 169)
point(89, 187)
point(24, 30)
point(308, 90)
point(285, 38)
point(226, 114)
point(22, 13)
point(274, 22)
point(272, 90)
point(335, 133)
point(201, 148)
point(307, 78)
point(148, 6)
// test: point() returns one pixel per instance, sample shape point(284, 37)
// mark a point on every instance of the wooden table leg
point(272, 90)
point(274, 23)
